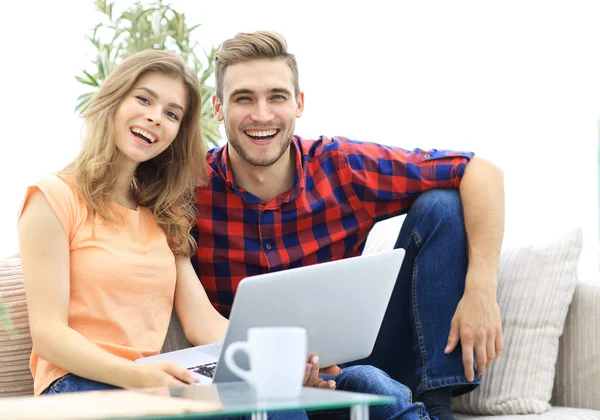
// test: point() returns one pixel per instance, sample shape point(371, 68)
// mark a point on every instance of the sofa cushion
point(15, 340)
point(577, 381)
point(555, 413)
point(535, 287)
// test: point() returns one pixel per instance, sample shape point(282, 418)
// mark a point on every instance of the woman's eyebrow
point(155, 96)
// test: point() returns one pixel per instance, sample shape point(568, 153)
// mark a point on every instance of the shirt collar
point(290, 195)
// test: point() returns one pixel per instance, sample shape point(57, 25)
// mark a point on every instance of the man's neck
point(265, 182)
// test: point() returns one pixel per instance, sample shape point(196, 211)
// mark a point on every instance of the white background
point(518, 82)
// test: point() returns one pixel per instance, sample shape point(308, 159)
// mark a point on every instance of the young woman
point(105, 243)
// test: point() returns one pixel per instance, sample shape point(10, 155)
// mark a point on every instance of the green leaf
point(88, 79)
point(83, 102)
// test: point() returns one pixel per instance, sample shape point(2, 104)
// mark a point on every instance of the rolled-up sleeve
point(387, 179)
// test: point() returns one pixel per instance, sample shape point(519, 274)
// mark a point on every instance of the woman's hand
point(164, 373)
point(312, 378)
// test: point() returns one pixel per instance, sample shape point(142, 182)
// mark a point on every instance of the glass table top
point(186, 402)
point(238, 398)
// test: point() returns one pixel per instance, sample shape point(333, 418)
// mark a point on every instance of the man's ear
point(299, 104)
point(217, 108)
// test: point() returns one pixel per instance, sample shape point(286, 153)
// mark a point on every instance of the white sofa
point(576, 393)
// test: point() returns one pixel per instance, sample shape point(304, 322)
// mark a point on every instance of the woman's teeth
point(144, 135)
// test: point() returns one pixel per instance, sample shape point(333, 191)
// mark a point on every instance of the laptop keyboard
point(206, 369)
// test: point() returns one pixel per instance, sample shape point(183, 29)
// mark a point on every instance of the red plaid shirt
point(342, 187)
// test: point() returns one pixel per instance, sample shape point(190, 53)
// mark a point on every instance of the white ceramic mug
point(277, 360)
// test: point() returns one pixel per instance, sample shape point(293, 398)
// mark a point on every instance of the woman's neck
point(123, 193)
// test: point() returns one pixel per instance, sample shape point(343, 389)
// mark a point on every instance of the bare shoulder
point(38, 214)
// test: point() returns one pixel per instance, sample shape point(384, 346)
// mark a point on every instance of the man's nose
point(262, 111)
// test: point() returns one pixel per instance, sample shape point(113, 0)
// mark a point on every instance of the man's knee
point(366, 378)
point(444, 207)
point(442, 202)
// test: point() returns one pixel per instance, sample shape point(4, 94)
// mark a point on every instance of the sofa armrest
point(577, 382)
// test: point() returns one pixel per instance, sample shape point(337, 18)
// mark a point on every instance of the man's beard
point(243, 153)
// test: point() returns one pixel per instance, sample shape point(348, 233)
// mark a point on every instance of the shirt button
point(268, 246)
point(426, 155)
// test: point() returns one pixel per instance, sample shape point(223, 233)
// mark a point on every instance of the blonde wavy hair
point(166, 183)
point(245, 47)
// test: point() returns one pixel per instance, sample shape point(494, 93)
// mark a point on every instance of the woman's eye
point(172, 115)
point(143, 99)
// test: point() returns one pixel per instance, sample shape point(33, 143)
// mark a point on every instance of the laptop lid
point(340, 303)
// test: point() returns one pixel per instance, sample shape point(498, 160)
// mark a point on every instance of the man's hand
point(476, 323)
point(312, 378)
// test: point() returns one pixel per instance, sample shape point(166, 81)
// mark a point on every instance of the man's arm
point(477, 322)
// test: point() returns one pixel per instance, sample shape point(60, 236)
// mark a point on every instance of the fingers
point(481, 351)
point(180, 374)
point(307, 370)
point(326, 384)
point(491, 352)
point(452, 337)
point(313, 376)
point(499, 343)
point(466, 340)
point(333, 370)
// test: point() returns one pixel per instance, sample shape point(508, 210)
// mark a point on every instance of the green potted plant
point(154, 26)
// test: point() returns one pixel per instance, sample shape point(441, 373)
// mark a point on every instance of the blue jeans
point(74, 383)
point(369, 379)
point(413, 335)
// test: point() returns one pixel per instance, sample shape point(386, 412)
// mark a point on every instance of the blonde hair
point(252, 46)
point(166, 183)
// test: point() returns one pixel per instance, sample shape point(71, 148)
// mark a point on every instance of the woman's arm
point(201, 322)
point(45, 257)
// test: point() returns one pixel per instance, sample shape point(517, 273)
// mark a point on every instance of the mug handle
point(230, 362)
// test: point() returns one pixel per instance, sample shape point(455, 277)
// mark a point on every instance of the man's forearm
point(482, 195)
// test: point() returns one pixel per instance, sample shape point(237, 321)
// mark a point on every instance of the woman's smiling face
point(148, 119)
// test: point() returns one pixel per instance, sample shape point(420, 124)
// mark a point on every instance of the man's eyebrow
point(251, 92)
point(240, 92)
point(155, 96)
point(281, 90)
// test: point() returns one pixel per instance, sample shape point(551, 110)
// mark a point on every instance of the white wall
point(518, 82)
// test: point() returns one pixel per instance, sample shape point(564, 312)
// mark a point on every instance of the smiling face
point(259, 110)
point(148, 118)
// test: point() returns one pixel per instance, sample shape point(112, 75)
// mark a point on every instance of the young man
point(277, 201)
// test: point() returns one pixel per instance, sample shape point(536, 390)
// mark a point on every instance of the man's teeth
point(261, 133)
point(144, 133)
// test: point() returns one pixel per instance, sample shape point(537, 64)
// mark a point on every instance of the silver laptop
point(340, 303)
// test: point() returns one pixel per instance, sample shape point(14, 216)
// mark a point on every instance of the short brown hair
point(252, 46)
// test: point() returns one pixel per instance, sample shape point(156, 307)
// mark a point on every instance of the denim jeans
point(413, 335)
point(369, 379)
point(74, 383)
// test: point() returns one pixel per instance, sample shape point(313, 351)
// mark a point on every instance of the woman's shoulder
point(60, 190)
point(59, 184)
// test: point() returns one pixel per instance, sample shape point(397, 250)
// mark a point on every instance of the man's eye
point(172, 115)
point(243, 99)
point(143, 99)
point(279, 97)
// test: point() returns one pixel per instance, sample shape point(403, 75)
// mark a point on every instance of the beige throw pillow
point(535, 287)
point(15, 341)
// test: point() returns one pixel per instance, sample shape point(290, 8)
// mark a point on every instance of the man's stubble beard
point(243, 153)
